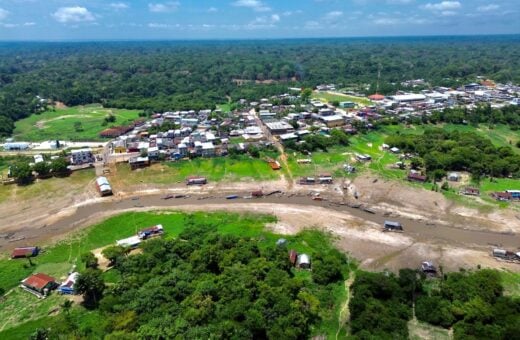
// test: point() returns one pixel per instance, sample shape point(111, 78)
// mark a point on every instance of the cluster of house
point(41, 284)
point(406, 104)
point(197, 134)
point(302, 261)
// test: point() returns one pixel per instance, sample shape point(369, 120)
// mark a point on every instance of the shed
point(303, 261)
point(24, 252)
point(130, 242)
point(453, 177)
point(416, 177)
point(471, 191)
point(39, 283)
point(67, 286)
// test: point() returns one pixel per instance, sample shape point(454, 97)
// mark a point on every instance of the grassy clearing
point(59, 258)
point(20, 306)
point(511, 282)
point(215, 169)
point(333, 160)
point(59, 124)
point(330, 97)
point(420, 330)
point(48, 189)
point(226, 108)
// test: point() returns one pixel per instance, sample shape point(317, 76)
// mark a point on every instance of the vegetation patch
point(322, 288)
point(338, 98)
point(78, 123)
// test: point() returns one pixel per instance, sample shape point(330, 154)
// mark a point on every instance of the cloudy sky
point(224, 19)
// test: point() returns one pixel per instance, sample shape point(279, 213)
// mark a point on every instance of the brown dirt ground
point(358, 237)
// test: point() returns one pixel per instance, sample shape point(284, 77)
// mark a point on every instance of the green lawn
point(21, 312)
point(329, 97)
point(59, 124)
point(214, 169)
point(20, 306)
point(511, 282)
point(333, 160)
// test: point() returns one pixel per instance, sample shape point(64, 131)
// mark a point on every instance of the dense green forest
point(205, 285)
point(180, 75)
point(440, 151)
point(472, 303)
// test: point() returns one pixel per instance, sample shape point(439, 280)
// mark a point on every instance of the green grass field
point(329, 97)
point(214, 169)
point(511, 282)
point(21, 312)
point(59, 124)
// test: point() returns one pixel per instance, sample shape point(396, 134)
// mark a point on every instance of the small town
point(259, 169)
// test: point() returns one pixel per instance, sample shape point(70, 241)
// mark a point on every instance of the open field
point(57, 259)
point(214, 169)
point(19, 307)
point(49, 189)
point(336, 96)
point(382, 162)
point(420, 330)
point(511, 282)
point(59, 124)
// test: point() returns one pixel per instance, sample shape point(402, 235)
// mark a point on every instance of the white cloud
point(255, 5)
point(9, 25)
point(3, 13)
point(29, 23)
point(212, 10)
point(73, 15)
point(163, 7)
point(118, 6)
point(391, 21)
point(264, 22)
point(448, 13)
point(488, 8)
point(443, 6)
point(333, 15)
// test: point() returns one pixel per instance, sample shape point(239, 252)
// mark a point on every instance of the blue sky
point(237, 19)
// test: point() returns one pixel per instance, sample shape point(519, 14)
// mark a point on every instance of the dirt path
point(344, 314)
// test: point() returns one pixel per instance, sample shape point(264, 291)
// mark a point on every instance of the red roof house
point(376, 97)
point(39, 282)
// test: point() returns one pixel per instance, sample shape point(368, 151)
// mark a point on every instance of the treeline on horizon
point(199, 75)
